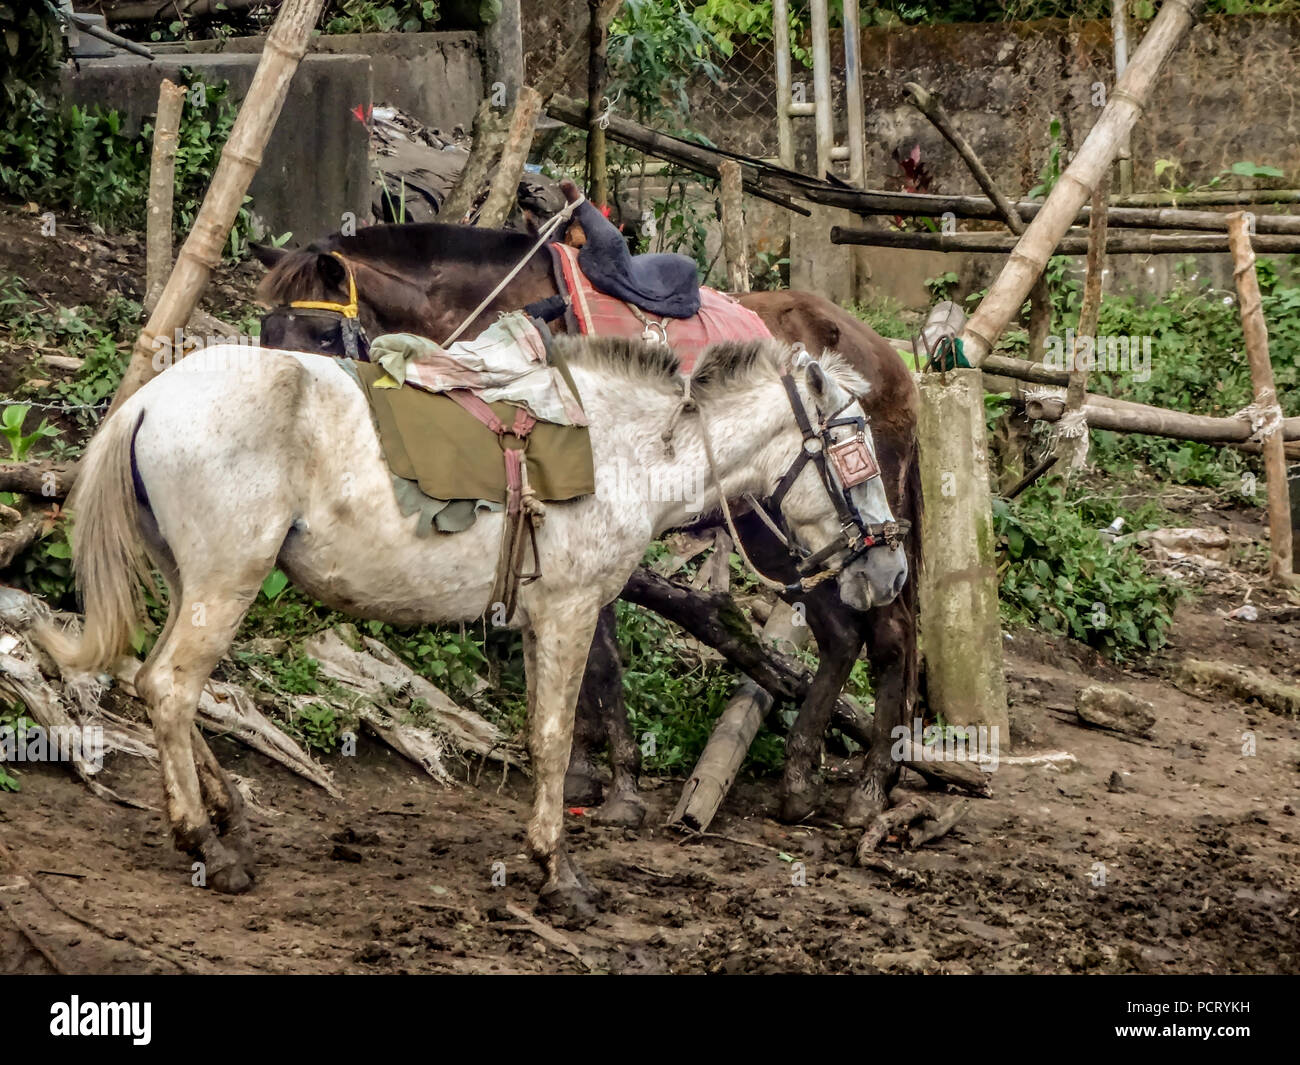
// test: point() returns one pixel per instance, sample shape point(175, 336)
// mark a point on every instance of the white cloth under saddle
point(504, 363)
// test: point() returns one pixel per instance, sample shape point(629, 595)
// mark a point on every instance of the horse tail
point(108, 551)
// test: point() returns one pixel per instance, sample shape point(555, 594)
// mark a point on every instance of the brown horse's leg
point(171, 681)
point(590, 728)
point(893, 655)
point(556, 643)
point(837, 631)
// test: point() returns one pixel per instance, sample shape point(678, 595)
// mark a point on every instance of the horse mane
point(395, 250)
point(730, 362)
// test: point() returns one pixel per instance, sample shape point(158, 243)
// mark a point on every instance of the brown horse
point(425, 279)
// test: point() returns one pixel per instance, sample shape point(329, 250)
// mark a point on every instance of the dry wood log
point(735, 730)
point(716, 620)
point(918, 835)
point(1104, 412)
point(162, 187)
point(1266, 400)
point(379, 675)
point(199, 255)
point(514, 154)
point(597, 76)
point(148, 10)
point(1241, 683)
point(1212, 198)
point(43, 478)
point(18, 539)
point(1068, 244)
point(731, 188)
point(1074, 188)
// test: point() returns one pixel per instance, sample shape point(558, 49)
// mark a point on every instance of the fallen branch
point(1066, 244)
point(1242, 683)
point(46, 479)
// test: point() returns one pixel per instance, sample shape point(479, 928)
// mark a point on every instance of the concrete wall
point(437, 77)
point(315, 166)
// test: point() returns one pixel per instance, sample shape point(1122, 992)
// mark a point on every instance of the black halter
point(353, 343)
point(841, 466)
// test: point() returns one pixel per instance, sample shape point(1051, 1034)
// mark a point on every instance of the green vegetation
point(87, 160)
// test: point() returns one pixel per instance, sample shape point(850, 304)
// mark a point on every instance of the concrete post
point(961, 636)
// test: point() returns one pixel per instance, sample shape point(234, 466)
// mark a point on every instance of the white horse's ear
point(819, 385)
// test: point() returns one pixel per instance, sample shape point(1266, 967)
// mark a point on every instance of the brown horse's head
point(421, 279)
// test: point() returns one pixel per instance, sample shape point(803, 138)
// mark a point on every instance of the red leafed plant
point(916, 175)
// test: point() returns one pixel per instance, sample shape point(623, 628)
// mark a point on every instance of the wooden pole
point(781, 48)
point(1072, 244)
point(824, 114)
point(854, 115)
point(1074, 188)
point(489, 135)
point(735, 730)
point(733, 227)
point(162, 190)
point(1072, 431)
point(1119, 35)
point(199, 255)
point(514, 154)
point(597, 76)
point(1266, 400)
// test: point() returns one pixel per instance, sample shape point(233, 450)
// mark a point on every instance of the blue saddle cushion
point(665, 284)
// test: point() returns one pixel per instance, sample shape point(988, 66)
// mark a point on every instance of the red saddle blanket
point(721, 318)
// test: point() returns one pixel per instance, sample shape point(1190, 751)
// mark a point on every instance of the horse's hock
point(961, 635)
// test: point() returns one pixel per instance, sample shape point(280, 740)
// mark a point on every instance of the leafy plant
point(11, 428)
point(1057, 574)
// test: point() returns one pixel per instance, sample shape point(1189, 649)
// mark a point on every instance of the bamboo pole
point(1072, 432)
point(1070, 244)
point(824, 115)
point(201, 253)
point(514, 154)
point(781, 47)
point(597, 76)
point(853, 94)
point(162, 191)
point(1119, 35)
point(733, 227)
point(1266, 400)
point(1212, 198)
point(1074, 188)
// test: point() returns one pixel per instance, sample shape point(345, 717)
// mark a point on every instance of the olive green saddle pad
point(434, 442)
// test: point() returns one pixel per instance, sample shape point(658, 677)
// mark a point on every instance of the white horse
point(225, 466)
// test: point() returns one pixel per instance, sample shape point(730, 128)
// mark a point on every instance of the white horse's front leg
point(556, 642)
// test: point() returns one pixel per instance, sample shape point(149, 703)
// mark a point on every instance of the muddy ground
point(1180, 854)
point(1188, 862)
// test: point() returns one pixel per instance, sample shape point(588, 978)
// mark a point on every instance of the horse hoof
point(581, 789)
point(232, 879)
point(571, 905)
point(621, 811)
point(863, 808)
point(798, 806)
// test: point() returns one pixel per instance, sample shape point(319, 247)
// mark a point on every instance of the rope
point(1072, 424)
point(1264, 415)
point(543, 235)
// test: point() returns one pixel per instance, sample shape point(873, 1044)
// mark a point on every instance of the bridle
point(842, 466)
point(356, 345)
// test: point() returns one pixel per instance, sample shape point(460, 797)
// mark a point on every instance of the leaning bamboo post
point(1072, 431)
point(201, 253)
point(1007, 294)
point(733, 226)
point(162, 191)
point(1119, 35)
point(737, 725)
point(514, 154)
point(1266, 403)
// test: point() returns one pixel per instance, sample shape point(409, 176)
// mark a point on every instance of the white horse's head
point(845, 525)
